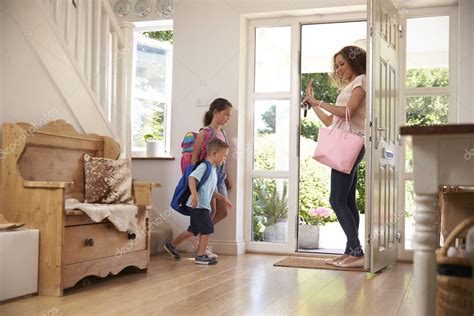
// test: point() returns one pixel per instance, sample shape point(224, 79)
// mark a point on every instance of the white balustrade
point(95, 41)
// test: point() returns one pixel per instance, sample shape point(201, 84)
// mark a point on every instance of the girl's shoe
point(210, 254)
point(351, 262)
point(333, 261)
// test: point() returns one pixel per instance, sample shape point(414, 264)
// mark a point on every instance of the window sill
point(153, 158)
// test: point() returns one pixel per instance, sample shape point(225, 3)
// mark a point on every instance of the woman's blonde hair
point(357, 60)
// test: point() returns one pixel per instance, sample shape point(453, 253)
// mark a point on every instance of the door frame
point(293, 95)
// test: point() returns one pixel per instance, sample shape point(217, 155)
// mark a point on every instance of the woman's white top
point(358, 117)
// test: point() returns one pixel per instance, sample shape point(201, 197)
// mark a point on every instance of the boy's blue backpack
point(182, 192)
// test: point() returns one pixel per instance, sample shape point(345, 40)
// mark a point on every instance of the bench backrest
point(52, 153)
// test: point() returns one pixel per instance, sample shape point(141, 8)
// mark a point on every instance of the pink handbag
point(338, 148)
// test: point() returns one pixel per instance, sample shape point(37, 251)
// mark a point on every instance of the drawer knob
point(89, 242)
point(132, 236)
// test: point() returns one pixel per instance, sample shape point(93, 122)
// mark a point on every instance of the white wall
point(29, 93)
point(466, 61)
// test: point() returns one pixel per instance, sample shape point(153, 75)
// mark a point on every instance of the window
point(427, 70)
point(429, 89)
point(152, 90)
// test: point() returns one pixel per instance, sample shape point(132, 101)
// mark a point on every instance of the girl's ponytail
point(219, 104)
point(208, 117)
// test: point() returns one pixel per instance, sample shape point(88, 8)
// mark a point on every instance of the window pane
point(271, 135)
point(152, 91)
point(427, 110)
point(317, 58)
point(272, 59)
point(270, 210)
point(409, 211)
point(427, 52)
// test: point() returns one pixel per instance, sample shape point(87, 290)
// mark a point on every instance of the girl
point(349, 74)
point(215, 118)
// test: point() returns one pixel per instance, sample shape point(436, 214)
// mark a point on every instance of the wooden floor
point(243, 285)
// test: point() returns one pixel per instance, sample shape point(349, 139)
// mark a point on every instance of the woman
point(349, 75)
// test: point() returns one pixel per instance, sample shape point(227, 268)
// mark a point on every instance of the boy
point(200, 203)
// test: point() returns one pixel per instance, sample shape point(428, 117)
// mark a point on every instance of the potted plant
point(272, 207)
point(310, 222)
point(153, 139)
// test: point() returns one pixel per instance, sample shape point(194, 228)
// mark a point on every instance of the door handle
point(399, 139)
point(378, 132)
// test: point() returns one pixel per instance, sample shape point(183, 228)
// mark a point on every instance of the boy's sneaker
point(172, 250)
point(204, 260)
point(210, 254)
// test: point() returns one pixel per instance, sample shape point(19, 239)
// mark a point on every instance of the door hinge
point(371, 31)
point(369, 238)
point(400, 31)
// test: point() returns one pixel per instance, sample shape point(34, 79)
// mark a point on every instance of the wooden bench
point(41, 169)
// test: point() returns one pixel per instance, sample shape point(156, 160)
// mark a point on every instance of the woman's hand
point(228, 183)
point(309, 97)
point(309, 89)
point(311, 101)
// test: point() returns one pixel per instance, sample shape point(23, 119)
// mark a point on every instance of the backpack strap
point(225, 136)
point(221, 171)
point(214, 135)
point(206, 174)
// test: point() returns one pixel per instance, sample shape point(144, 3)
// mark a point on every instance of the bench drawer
point(88, 242)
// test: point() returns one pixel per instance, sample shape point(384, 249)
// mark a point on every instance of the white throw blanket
point(123, 216)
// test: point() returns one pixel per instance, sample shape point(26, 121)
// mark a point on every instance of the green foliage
point(264, 152)
point(268, 203)
point(309, 129)
point(314, 184)
point(323, 89)
point(427, 110)
point(164, 36)
point(258, 228)
point(360, 188)
point(310, 219)
point(155, 128)
point(269, 117)
point(427, 77)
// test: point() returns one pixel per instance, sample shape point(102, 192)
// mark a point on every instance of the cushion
point(107, 180)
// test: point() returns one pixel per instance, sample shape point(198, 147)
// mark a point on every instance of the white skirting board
point(18, 263)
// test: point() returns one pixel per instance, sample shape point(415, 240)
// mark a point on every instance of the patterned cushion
point(107, 180)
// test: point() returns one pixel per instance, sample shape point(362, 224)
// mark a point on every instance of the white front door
point(383, 124)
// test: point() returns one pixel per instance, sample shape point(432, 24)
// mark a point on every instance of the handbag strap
point(347, 120)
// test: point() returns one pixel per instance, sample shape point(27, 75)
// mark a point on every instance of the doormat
point(312, 263)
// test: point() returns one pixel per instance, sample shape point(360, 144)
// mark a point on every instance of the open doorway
point(318, 229)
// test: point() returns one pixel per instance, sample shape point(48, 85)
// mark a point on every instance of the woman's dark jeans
point(343, 202)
